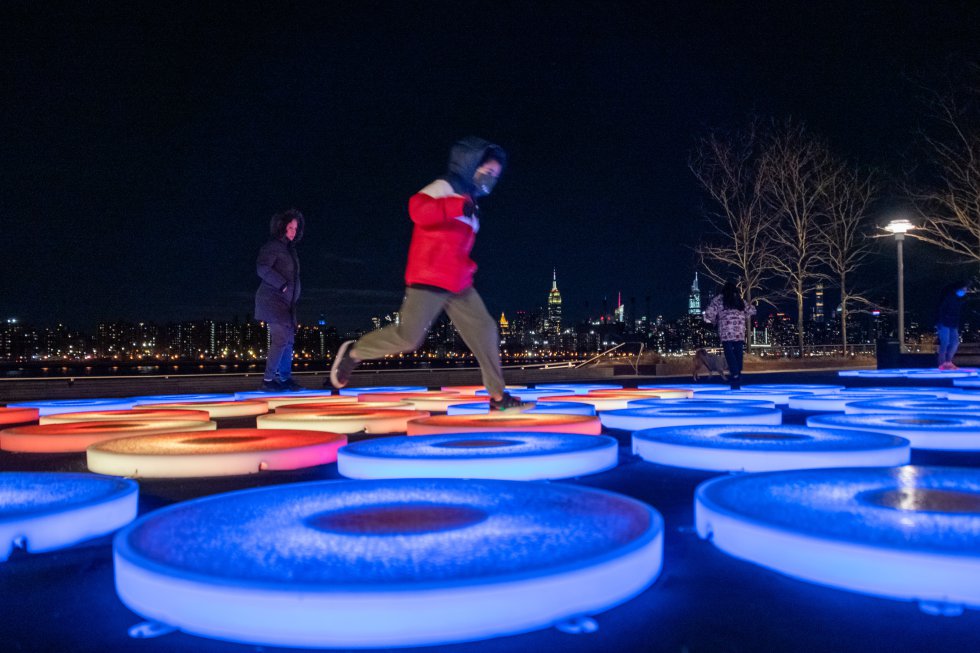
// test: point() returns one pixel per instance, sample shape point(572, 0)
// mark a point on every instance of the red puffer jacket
point(442, 239)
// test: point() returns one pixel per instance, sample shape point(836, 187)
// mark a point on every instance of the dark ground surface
point(703, 601)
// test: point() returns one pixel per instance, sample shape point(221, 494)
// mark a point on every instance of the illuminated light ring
point(962, 394)
point(603, 402)
point(796, 389)
point(700, 403)
point(44, 511)
point(78, 436)
point(473, 389)
point(648, 417)
point(939, 374)
point(874, 392)
point(510, 455)
point(226, 452)
point(275, 403)
point(431, 401)
point(735, 448)
point(221, 409)
point(972, 382)
point(877, 374)
point(55, 406)
point(907, 533)
point(10, 415)
point(268, 396)
point(506, 421)
point(915, 405)
point(776, 397)
point(349, 564)
point(837, 402)
point(577, 388)
point(530, 394)
point(936, 431)
point(390, 388)
point(343, 420)
point(131, 414)
point(653, 393)
point(548, 407)
point(358, 405)
point(151, 400)
point(693, 387)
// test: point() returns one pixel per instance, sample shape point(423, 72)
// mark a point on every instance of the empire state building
point(554, 307)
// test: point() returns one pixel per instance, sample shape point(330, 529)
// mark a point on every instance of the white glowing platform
point(506, 421)
point(55, 406)
point(577, 388)
point(557, 407)
point(388, 388)
point(767, 448)
point(44, 511)
point(778, 397)
point(795, 388)
point(963, 394)
point(510, 455)
point(528, 394)
point(299, 394)
point(222, 409)
point(222, 453)
point(78, 436)
point(151, 400)
point(347, 404)
point(914, 405)
point(648, 417)
point(275, 403)
point(923, 430)
point(10, 415)
point(836, 402)
point(389, 563)
point(131, 414)
point(939, 374)
point(605, 401)
point(701, 403)
point(875, 374)
point(664, 392)
point(431, 401)
point(907, 533)
point(343, 420)
point(917, 391)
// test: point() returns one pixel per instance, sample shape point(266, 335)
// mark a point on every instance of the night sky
point(143, 152)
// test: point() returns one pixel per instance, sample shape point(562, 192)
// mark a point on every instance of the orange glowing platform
point(343, 420)
point(432, 401)
point(18, 415)
point(220, 409)
point(615, 400)
point(506, 421)
point(356, 405)
point(78, 436)
point(226, 452)
point(277, 401)
point(127, 415)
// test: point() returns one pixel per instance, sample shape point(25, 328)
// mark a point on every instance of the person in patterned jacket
point(728, 311)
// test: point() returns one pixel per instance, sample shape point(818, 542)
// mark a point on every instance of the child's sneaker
point(508, 402)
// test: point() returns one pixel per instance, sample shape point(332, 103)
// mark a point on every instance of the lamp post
point(898, 228)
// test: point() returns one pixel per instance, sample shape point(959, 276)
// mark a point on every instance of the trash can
point(888, 353)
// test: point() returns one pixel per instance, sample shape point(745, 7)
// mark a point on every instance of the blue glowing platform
point(387, 563)
point(511, 455)
point(837, 402)
point(646, 417)
point(936, 431)
point(556, 407)
point(908, 533)
point(914, 405)
point(57, 406)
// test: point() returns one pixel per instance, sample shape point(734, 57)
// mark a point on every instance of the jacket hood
point(465, 157)
point(278, 223)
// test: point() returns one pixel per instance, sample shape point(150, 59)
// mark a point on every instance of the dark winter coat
point(278, 267)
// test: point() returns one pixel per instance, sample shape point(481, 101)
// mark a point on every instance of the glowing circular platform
point(605, 401)
point(11, 415)
point(963, 394)
point(131, 414)
point(915, 405)
point(972, 382)
point(299, 395)
point(473, 389)
point(387, 563)
point(795, 388)
point(55, 406)
point(557, 407)
point(527, 394)
point(907, 533)
point(875, 374)
point(222, 453)
point(875, 392)
point(222, 409)
point(44, 511)
point(343, 420)
point(356, 405)
point(389, 388)
point(150, 400)
point(651, 392)
point(577, 388)
point(701, 403)
point(767, 448)
point(648, 417)
point(78, 436)
point(693, 387)
point(510, 455)
point(836, 402)
point(939, 374)
point(506, 421)
point(778, 397)
point(431, 401)
point(924, 430)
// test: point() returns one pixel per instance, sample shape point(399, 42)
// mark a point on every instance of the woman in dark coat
point(948, 322)
point(275, 300)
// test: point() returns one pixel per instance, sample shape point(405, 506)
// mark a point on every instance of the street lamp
point(898, 228)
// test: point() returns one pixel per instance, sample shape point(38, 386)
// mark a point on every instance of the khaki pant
point(420, 308)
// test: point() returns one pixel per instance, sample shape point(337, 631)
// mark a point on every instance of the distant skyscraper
point(694, 298)
point(554, 306)
point(504, 325)
point(619, 314)
point(818, 314)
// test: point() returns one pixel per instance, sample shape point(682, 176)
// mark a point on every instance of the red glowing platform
point(220, 409)
point(78, 436)
point(342, 420)
point(506, 421)
point(127, 415)
point(18, 415)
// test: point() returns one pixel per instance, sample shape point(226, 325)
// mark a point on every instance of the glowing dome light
point(223, 453)
point(556, 407)
point(634, 419)
point(767, 448)
point(431, 401)
point(937, 431)
point(875, 392)
point(151, 400)
point(795, 389)
point(605, 401)
point(778, 397)
point(837, 402)
point(390, 388)
point(700, 403)
point(473, 389)
point(506, 421)
point(356, 405)
point(913, 404)
point(343, 420)
point(55, 406)
point(78, 436)
point(127, 415)
point(299, 395)
point(510, 455)
point(907, 533)
point(11, 415)
point(44, 511)
point(222, 409)
point(351, 564)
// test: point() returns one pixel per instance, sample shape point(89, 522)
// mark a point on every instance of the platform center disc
point(465, 444)
point(234, 439)
point(924, 500)
point(398, 519)
point(921, 422)
point(748, 435)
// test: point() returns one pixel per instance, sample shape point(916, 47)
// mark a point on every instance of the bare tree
point(845, 230)
point(797, 173)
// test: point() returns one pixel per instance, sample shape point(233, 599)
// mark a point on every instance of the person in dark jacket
point(439, 273)
point(275, 300)
point(948, 322)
